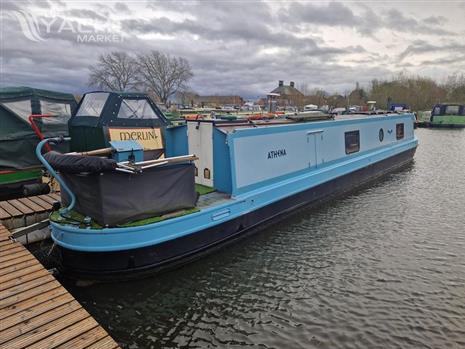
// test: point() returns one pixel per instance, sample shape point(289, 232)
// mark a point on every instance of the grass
point(77, 219)
point(203, 189)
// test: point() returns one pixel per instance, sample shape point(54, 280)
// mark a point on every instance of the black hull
point(427, 124)
point(133, 263)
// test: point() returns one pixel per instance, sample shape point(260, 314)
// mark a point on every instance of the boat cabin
point(448, 115)
point(103, 117)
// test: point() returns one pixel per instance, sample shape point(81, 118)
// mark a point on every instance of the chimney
point(280, 83)
point(292, 83)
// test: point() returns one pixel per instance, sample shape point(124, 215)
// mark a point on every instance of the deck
point(36, 311)
point(22, 212)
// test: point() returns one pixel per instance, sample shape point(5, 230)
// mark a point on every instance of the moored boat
point(254, 172)
point(27, 115)
point(448, 115)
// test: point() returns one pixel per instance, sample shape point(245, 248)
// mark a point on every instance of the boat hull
point(134, 262)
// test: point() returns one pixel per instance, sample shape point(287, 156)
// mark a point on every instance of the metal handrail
point(65, 210)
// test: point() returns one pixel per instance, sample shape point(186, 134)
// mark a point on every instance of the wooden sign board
point(149, 138)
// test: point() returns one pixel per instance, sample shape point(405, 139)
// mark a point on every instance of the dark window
point(381, 135)
point(399, 131)
point(352, 142)
point(452, 110)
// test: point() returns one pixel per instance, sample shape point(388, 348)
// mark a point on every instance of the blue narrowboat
point(127, 218)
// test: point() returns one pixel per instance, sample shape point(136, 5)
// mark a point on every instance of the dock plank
point(55, 196)
point(27, 285)
point(17, 260)
point(27, 304)
point(38, 321)
point(4, 214)
point(28, 294)
point(65, 334)
point(41, 332)
point(87, 338)
point(22, 279)
point(9, 249)
point(20, 206)
point(20, 252)
point(13, 211)
point(32, 205)
point(17, 267)
point(104, 343)
point(48, 198)
point(41, 202)
point(35, 310)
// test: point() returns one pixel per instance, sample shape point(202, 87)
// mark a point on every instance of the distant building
point(218, 101)
point(288, 94)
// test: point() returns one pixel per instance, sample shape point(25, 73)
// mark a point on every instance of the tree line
point(419, 93)
point(157, 73)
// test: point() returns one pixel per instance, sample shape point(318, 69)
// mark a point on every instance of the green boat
point(26, 116)
point(448, 115)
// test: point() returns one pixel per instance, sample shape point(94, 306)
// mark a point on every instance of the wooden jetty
point(25, 211)
point(36, 311)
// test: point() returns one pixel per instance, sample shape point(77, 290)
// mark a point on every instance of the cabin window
point(136, 109)
point(93, 104)
point(399, 131)
point(20, 108)
point(452, 110)
point(206, 173)
point(352, 141)
point(437, 111)
point(381, 135)
point(60, 111)
point(55, 109)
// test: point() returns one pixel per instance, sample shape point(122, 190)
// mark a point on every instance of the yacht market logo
point(37, 28)
point(29, 25)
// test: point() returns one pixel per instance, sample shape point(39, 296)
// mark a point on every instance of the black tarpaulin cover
point(113, 198)
point(71, 163)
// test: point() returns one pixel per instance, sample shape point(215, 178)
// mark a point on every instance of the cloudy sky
point(236, 46)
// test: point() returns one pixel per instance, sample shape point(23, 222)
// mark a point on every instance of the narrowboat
point(128, 211)
point(27, 115)
point(448, 115)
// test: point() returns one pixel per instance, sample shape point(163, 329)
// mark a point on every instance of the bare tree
point(163, 74)
point(116, 71)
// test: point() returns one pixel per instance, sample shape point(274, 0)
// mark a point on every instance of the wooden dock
point(36, 311)
point(22, 212)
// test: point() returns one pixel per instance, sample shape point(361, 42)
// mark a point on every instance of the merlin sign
point(149, 138)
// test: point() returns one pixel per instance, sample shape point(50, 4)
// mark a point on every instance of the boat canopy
point(106, 116)
point(17, 138)
point(100, 108)
point(448, 109)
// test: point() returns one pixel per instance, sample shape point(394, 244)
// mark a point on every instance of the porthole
point(381, 135)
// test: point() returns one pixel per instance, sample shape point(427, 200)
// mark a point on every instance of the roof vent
point(280, 82)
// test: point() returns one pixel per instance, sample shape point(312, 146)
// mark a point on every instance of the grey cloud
point(421, 47)
point(369, 22)
point(333, 13)
point(122, 7)
point(84, 13)
point(397, 21)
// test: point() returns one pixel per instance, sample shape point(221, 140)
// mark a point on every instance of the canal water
point(383, 267)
